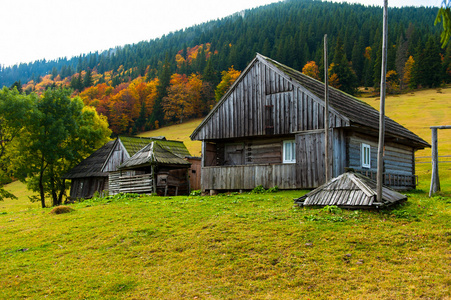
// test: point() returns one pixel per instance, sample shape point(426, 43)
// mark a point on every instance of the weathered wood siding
point(266, 102)
point(248, 177)
point(86, 187)
point(310, 159)
point(117, 157)
point(398, 159)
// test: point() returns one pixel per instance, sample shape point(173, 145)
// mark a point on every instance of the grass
point(238, 246)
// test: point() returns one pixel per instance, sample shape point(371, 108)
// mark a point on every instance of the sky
point(35, 29)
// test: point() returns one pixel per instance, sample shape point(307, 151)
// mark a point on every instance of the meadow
point(237, 246)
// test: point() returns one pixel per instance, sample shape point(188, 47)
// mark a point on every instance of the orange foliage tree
point(184, 98)
point(311, 69)
point(227, 79)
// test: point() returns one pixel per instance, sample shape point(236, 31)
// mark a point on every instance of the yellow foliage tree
point(228, 78)
point(311, 69)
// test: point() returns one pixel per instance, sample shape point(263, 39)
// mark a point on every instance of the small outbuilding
point(130, 160)
point(160, 167)
point(350, 190)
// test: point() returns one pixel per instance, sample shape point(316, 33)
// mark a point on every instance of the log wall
point(398, 159)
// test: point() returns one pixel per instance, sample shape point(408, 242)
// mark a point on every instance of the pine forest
point(183, 74)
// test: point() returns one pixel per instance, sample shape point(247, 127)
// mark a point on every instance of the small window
point(289, 151)
point(366, 156)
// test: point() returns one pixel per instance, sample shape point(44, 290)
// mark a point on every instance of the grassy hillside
point(418, 111)
point(244, 246)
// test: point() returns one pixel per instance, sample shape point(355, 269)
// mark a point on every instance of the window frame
point(365, 157)
point(292, 158)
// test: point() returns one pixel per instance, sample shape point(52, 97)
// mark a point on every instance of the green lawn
point(241, 246)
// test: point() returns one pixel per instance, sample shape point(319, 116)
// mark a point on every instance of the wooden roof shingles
point(350, 190)
point(158, 152)
point(358, 112)
point(92, 165)
point(354, 109)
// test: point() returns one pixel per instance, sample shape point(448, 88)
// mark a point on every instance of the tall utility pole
point(326, 110)
point(380, 149)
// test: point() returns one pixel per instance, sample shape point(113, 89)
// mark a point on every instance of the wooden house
point(268, 130)
point(100, 172)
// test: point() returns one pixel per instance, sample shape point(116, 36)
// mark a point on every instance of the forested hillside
point(179, 76)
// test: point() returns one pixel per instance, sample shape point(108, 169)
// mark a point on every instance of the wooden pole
point(380, 149)
point(326, 112)
point(435, 181)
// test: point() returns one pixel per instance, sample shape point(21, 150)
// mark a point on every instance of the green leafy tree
point(14, 112)
point(444, 16)
point(59, 134)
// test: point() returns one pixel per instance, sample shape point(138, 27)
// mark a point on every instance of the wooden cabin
point(100, 172)
point(268, 129)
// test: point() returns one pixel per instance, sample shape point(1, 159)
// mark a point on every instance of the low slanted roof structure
point(158, 152)
point(92, 165)
point(350, 190)
point(135, 143)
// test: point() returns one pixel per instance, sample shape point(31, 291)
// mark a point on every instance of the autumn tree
point(311, 69)
point(408, 69)
point(227, 79)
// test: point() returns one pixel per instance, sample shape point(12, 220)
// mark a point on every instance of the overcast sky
point(37, 29)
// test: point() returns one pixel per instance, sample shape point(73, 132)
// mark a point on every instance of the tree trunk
point(62, 191)
point(52, 187)
point(41, 188)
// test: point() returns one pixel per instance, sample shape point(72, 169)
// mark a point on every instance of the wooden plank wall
point(248, 177)
point(397, 158)
point(244, 112)
point(118, 156)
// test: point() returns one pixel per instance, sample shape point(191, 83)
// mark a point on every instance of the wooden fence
point(131, 184)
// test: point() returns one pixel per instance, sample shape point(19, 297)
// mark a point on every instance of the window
point(366, 156)
point(289, 151)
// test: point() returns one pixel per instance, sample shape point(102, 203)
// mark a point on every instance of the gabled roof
point(92, 165)
point(350, 190)
point(357, 112)
point(158, 152)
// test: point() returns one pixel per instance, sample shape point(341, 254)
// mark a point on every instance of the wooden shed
point(160, 167)
point(268, 130)
point(350, 190)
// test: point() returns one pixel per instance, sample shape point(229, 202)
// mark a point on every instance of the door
point(310, 159)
